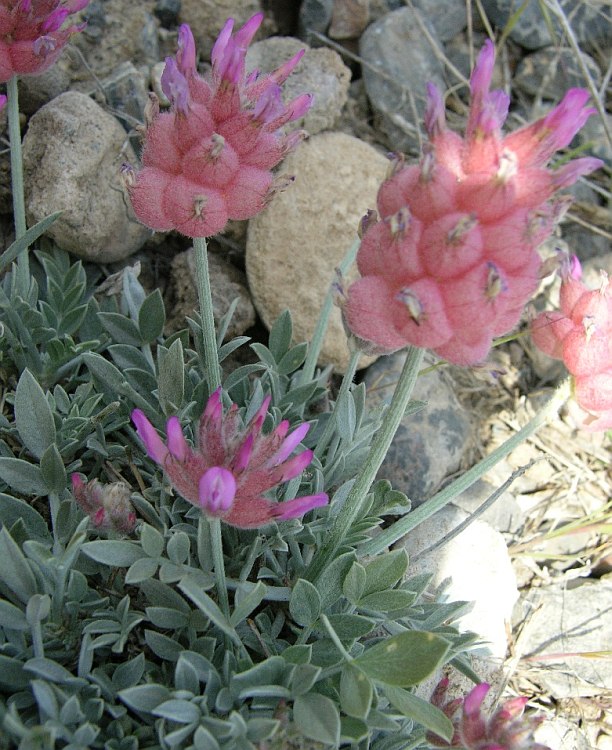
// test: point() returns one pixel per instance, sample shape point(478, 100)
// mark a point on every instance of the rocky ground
point(537, 562)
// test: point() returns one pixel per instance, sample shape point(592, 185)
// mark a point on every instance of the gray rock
point(294, 246)
point(595, 135)
point(379, 8)
point(590, 21)
point(560, 734)
point(474, 566)
point(315, 15)
point(398, 61)
point(504, 515)
point(34, 91)
point(72, 155)
point(116, 31)
point(349, 19)
point(428, 445)
point(126, 93)
point(550, 72)
point(320, 72)
point(208, 18)
point(227, 283)
point(168, 11)
point(562, 624)
point(448, 17)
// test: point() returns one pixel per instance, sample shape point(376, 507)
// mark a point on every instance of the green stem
point(331, 425)
point(378, 450)
point(213, 376)
point(23, 262)
point(216, 544)
point(316, 343)
point(209, 339)
point(400, 528)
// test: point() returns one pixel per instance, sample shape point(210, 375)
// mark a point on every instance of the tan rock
point(294, 246)
point(207, 17)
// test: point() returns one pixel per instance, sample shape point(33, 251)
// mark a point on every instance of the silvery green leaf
point(268, 672)
point(355, 692)
point(11, 617)
point(171, 378)
point(12, 675)
point(140, 570)
point(354, 583)
point(305, 603)
point(46, 699)
point(129, 673)
point(33, 416)
point(204, 740)
point(293, 359)
point(52, 469)
point(71, 713)
point(180, 711)
point(160, 595)
point(22, 476)
point(152, 317)
point(281, 334)
point(298, 654)
point(178, 547)
point(386, 601)
point(240, 374)
point(50, 670)
point(260, 730)
point(329, 584)
point(231, 346)
point(22, 243)
point(105, 372)
point(85, 735)
point(12, 509)
point(344, 413)
point(129, 357)
point(264, 354)
point(165, 618)
point(303, 678)
point(385, 571)
point(244, 604)
point(144, 697)
point(317, 718)
point(353, 730)
point(349, 627)
point(15, 571)
point(115, 553)
point(421, 711)
point(404, 659)
point(38, 609)
point(122, 329)
point(192, 589)
point(151, 541)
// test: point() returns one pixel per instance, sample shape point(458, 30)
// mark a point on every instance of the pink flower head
point(580, 334)
point(506, 729)
point(233, 466)
point(108, 505)
point(209, 159)
point(2, 101)
point(33, 34)
point(454, 259)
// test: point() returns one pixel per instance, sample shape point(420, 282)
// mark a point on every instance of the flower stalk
point(209, 338)
point(23, 262)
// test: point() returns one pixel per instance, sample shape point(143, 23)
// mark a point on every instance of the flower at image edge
point(33, 34)
point(209, 158)
point(232, 466)
point(580, 334)
point(454, 259)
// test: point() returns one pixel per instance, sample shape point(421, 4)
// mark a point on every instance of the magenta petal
point(153, 444)
point(177, 445)
point(217, 489)
point(289, 445)
point(186, 55)
point(244, 454)
point(475, 697)
point(295, 466)
point(299, 506)
point(221, 42)
point(175, 87)
point(435, 119)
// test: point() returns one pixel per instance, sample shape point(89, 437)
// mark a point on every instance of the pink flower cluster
point(33, 34)
point(580, 334)
point(454, 259)
point(506, 729)
point(209, 159)
point(108, 505)
point(233, 466)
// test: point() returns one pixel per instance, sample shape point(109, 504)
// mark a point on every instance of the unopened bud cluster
point(209, 158)
point(454, 258)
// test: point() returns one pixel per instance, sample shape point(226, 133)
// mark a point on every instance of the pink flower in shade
point(33, 34)
point(2, 101)
point(108, 505)
point(580, 334)
point(209, 158)
point(233, 466)
point(454, 259)
point(506, 729)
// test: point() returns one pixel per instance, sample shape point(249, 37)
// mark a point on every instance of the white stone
point(476, 567)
